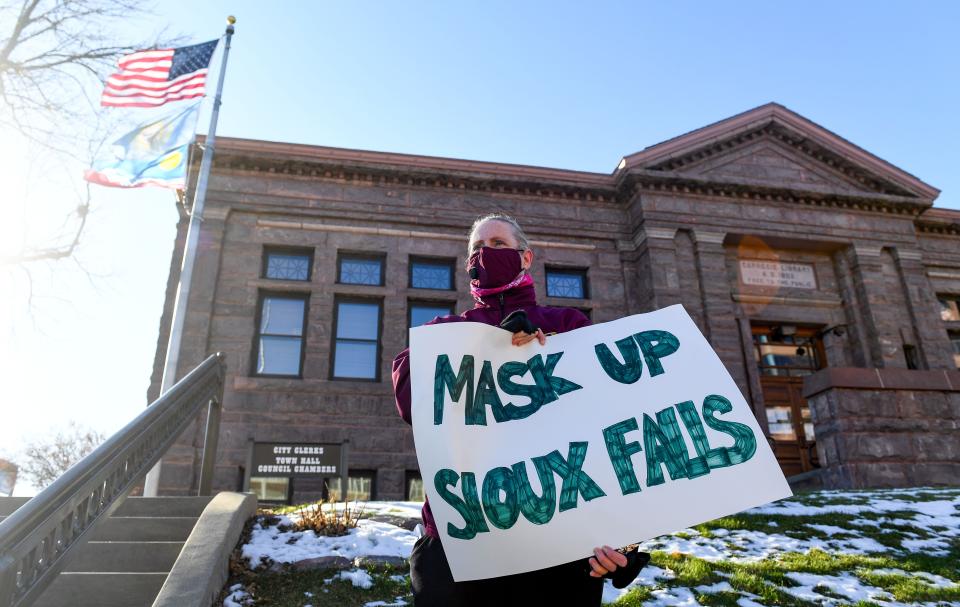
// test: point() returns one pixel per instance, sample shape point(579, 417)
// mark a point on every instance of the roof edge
point(415, 161)
point(775, 112)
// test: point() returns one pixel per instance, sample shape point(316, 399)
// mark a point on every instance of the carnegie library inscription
point(765, 273)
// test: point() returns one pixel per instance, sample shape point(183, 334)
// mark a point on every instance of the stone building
point(821, 274)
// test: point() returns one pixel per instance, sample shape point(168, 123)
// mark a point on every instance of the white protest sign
point(610, 434)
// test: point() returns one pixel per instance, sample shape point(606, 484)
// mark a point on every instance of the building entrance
point(784, 355)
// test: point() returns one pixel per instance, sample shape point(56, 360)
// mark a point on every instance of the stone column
point(857, 350)
point(718, 310)
point(881, 338)
point(659, 261)
point(934, 346)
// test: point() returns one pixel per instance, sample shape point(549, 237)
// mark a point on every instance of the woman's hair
point(522, 243)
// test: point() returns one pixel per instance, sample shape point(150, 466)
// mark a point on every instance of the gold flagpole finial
point(231, 19)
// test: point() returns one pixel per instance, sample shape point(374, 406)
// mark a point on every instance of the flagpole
point(152, 482)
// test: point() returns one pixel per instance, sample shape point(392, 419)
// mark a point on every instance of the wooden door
point(789, 419)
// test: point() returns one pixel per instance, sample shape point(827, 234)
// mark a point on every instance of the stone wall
point(886, 427)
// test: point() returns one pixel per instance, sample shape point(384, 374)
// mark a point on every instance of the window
point(357, 340)
point(949, 308)
point(911, 357)
point(287, 264)
point(955, 340)
point(431, 274)
point(567, 283)
point(787, 350)
point(780, 421)
point(270, 489)
point(281, 323)
point(423, 312)
point(414, 491)
point(361, 486)
point(360, 269)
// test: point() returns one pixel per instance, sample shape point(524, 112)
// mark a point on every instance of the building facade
point(822, 275)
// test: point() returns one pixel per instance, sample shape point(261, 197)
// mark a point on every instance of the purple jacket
point(551, 320)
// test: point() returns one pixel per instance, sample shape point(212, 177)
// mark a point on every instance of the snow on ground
point(939, 519)
point(403, 509)
point(358, 577)
point(846, 585)
point(888, 523)
point(370, 538)
point(237, 597)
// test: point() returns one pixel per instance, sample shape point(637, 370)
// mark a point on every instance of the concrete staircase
point(128, 556)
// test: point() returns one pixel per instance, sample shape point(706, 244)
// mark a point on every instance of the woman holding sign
point(499, 262)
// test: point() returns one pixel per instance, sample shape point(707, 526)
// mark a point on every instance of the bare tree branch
point(46, 459)
point(54, 57)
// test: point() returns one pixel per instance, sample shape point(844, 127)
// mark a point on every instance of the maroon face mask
point(490, 268)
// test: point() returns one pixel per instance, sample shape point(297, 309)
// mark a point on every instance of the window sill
point(260, 383)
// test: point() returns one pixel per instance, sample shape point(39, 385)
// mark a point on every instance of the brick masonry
point(669, 225)
point(886, 427)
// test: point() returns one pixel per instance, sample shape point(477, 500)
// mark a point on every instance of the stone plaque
point(295, 460)
point(765, 273)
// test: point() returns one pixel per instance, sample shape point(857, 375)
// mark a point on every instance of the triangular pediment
point(769, 162)
point(773, 146)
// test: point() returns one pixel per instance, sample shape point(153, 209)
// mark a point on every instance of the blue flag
point(154, 154)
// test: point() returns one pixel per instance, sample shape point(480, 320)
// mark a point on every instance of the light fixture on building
point(779, 332)
point(837, 330)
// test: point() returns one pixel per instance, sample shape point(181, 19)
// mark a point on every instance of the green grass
point(909, 589)
point(288, 589)
point(765, 581)
point(767, 578)
point(718, 599)
point(636, 597)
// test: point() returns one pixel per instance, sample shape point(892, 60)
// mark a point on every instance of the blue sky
point(561, 84)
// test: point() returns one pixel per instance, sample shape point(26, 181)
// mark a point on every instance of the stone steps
point(101, 589)
point(130, 557)
point(144, 529)
point(126, 559)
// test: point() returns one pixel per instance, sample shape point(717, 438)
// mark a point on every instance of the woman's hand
point(606, 560)
point(520, 338)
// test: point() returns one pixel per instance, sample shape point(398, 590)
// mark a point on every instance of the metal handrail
point(36, 539)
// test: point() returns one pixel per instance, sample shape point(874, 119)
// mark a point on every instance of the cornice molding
point(943, 274)
point(316, 226)
point(944, 222)
point(909, 254)
point(419, 177)
point(635, 183)
point(867, 250)
point(662, 233)
point(707, 237)
point(644, 181)
point(938, 229)
point(762, 299)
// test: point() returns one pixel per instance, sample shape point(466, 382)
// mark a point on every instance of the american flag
point(152, 78)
